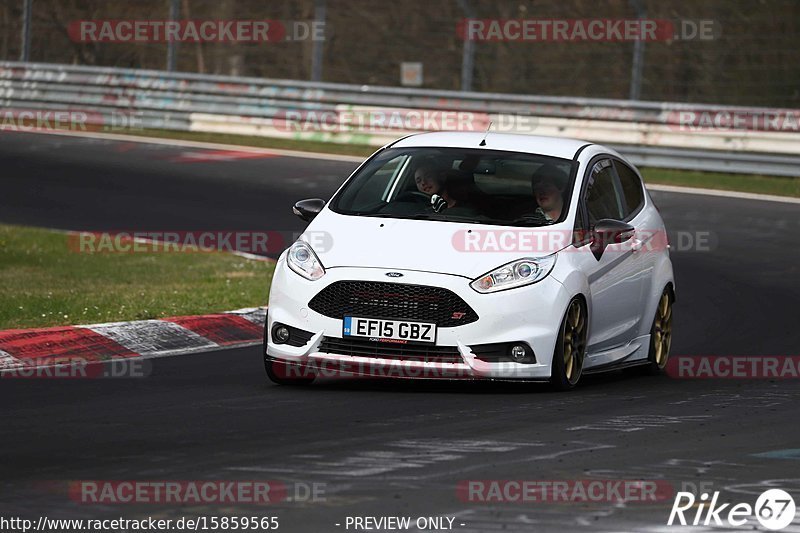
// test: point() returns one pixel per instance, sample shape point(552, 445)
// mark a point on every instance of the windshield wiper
point(445, 218)
point(376, 215)
point(532, 221)
point(525, 221)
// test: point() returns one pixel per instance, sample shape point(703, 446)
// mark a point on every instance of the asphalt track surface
point(384, 447)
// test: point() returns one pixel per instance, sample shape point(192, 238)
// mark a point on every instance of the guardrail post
point(172, 46)
point(637, 62)
point(318, 44)
point(25, 52)
point(468, 53)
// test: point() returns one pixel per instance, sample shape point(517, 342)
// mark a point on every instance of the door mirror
point(308, 209)
point(608, 231)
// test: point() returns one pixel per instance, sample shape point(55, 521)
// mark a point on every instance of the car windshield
point(460, 185)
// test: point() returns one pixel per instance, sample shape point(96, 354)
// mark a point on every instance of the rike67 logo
point(774, 510)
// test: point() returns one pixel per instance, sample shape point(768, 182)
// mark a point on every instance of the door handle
point(636, 244)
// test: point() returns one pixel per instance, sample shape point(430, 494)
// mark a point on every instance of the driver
point(429, 180)
point(548, 184)
point(432, 182)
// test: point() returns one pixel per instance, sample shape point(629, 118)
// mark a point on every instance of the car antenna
point(483, 141)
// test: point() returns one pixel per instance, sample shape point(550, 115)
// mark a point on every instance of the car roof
point(511, 142)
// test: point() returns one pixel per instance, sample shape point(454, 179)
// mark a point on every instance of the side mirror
point(608, 231)
point(308, 209)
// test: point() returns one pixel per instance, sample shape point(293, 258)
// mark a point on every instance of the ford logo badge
point(394, 274)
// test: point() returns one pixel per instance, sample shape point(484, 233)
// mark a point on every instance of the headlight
point(302, 259)
point(516, 274)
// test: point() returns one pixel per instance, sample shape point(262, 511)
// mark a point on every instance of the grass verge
point(260, 142)
point(727, 182)
point(709, 180)
point(43, 282)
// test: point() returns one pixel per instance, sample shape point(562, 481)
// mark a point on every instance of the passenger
point(464, 196)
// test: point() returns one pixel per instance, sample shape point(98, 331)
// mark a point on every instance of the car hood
point(467, 250)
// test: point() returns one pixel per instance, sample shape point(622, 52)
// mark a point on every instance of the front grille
point(387, 350)
point(416, 303)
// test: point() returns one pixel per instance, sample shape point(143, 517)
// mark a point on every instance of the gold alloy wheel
point(574, 342)
point(662, 330)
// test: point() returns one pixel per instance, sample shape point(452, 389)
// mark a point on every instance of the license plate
point(389, 330)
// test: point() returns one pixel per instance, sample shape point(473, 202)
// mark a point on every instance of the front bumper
point(530, 314)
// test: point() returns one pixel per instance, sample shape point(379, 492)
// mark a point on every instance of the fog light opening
point(280, 334)
point(518, 352)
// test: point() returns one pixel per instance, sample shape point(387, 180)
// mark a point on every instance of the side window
point(631, 187)
point(603, 194)
point(580, 233)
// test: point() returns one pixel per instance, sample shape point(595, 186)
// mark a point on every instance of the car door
point(649, 238)
point(615, 277)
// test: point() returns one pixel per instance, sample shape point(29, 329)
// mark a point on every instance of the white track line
point(725, 194)
point(205, 145)
point(356, 159)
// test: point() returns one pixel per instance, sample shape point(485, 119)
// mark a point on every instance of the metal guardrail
point(647, 132)
point(711, 161)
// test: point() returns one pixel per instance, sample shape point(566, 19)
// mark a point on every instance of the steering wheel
point(413, 196)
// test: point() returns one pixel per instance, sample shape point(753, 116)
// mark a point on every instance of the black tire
point(661, 334)
point(570, 351)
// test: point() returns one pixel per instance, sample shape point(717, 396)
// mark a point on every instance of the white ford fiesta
point(475, 256)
